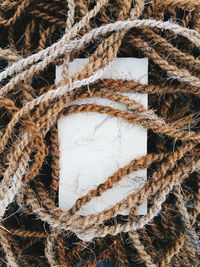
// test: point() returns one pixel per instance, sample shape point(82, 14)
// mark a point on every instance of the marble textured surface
point(93, 146)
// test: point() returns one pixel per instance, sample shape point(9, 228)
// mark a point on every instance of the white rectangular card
point(93, 146)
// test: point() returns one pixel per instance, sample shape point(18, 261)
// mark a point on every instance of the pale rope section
point(16, 183)
point(63, 48)
point(9, 55)
point(135, 238)
point(5, 184)
point(66, 37)
point(49, 250)
point(69, 23)
point(12, 178)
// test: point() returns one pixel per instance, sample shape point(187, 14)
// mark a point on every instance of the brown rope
point(34, 231)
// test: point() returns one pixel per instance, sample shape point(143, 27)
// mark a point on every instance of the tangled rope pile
point(36, 36)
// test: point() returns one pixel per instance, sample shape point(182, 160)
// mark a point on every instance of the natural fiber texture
point(36, 36)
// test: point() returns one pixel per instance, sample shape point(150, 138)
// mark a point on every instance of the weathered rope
point(35, 37)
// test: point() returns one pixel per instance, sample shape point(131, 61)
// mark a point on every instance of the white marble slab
point(93, 146)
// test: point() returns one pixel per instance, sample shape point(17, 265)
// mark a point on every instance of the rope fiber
point(35, 37)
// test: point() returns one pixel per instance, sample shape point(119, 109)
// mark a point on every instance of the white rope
point(61, 47)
